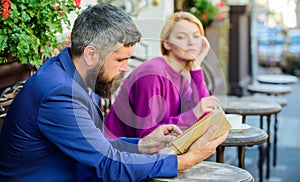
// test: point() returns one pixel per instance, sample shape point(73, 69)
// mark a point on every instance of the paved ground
point(288, 155)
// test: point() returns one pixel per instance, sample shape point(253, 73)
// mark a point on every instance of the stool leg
point(244, 119)
point(268, 147)
point(261, 162)
point(241, 150)
point(275, 141)
point(261, 122)
point(220, 154)
point(241, 153)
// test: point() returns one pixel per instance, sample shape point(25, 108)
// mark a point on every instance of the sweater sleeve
point(149, 102)
point(199, 84)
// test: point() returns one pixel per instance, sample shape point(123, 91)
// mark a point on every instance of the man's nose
point(125, 68)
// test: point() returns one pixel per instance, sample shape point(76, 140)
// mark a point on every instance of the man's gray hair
point(103, 26)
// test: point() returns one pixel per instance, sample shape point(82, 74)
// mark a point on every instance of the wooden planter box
point(12, 72)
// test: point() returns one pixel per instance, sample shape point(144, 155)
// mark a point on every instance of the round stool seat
point(269, 89)
point(211, 171)
point(277, 79)
point(248, 137)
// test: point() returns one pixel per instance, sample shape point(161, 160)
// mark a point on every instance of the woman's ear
point(90, 54)
point(167, 45)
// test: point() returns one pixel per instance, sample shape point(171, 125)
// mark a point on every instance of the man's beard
point(101, 86)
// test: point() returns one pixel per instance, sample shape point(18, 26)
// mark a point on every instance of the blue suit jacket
point(50, 133)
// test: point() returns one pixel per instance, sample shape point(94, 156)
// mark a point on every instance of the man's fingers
point(221, 139)
point(210, 131)
point(206, 137)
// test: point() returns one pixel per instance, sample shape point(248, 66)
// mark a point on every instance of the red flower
point(221, 4)
point(6, 10)
point(77, 3)
point(63, 11)
point(219, 16)
point(6, 13)
point(204, 16)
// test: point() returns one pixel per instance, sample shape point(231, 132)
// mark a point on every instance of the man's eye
point(120, 60)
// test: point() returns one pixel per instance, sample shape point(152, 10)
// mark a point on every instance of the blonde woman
point(170, 89)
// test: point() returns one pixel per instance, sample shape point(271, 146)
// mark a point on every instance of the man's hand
point(158, 139)
point(200, 149)
point(196, 64)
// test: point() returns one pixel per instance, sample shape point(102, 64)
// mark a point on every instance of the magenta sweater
point(152, 95)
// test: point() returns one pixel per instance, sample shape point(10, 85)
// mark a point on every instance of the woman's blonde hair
point(181, 15)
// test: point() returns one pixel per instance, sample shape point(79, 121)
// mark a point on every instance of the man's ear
point(90, 54)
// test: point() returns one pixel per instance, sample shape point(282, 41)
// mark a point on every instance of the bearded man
point(53, 129)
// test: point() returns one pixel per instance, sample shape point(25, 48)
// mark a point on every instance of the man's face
point(110, 75)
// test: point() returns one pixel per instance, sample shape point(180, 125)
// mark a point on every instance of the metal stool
point(254, 107)
point(248, 137)
point(280, 100)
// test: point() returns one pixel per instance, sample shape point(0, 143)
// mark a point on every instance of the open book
point(182, 143)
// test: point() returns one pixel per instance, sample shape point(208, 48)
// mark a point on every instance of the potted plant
point(29, 28)
point(206, 10)
point(28, 35)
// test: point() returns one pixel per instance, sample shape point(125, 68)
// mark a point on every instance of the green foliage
point(205, 10)
point(29, 32)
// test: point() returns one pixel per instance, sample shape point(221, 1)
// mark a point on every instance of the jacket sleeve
point(126, 144)
point(66, 121)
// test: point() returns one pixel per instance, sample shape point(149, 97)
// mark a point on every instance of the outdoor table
point(269, 89)
point(280, 100)
point(247, 137)
point(254, 107)
point(210, 172)
point(277, 79)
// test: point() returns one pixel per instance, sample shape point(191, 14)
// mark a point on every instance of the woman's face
point(185, 41)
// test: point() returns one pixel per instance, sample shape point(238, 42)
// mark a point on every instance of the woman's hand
point(158, 139)
point(206, 104)
point(196, 64)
